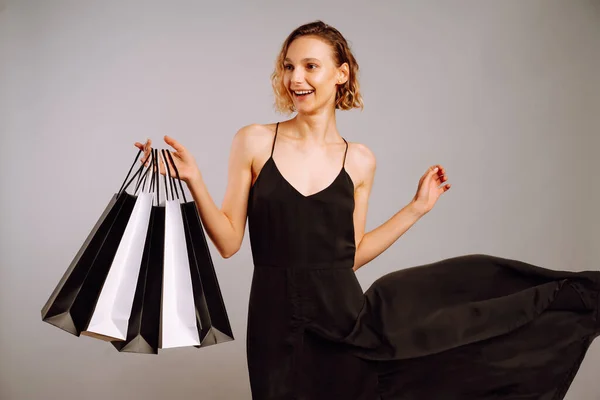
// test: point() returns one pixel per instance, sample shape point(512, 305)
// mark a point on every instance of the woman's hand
point(185, 163)
point(430, 189)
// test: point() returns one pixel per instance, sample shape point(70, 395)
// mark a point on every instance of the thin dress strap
point(274, 138)
point(346, 151)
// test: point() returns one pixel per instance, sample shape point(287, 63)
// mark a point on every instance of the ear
point(343, 74)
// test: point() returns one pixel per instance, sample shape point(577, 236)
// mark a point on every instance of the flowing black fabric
point(470, 327)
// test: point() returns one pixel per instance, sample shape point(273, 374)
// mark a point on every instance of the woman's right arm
point(225, 226)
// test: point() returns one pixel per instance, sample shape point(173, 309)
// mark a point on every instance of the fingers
point(174, 143)
point(145, 159)
point(437, 168)
point(439, 178)
point(143, 146)
point(171, 158)
point(438, 174)
point(444, 188)
point(147, 148)
point(169, 167)
point(432, 173)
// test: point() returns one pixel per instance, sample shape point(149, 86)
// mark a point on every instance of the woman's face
point(310, 74)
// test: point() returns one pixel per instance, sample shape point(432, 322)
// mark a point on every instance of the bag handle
point(130, 169)
point(156, 177)
point(166, 153)
point(164, 157)
point(154, 185)
point(142, 180)
point(125, 183)
point(178, 178)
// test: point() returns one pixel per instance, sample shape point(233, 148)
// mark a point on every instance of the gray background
point(504, 94)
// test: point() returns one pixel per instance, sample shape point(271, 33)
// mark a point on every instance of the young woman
point(469, 327)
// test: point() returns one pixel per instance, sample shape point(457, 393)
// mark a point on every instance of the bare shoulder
point(252, 140)
point(360, 163)
point(249, 135)
point(361, 154)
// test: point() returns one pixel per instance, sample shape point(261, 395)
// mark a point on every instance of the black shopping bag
point(211, 316)
point(144, 322)
point(71, 304)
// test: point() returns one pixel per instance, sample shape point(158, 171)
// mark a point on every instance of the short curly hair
point(348, 95)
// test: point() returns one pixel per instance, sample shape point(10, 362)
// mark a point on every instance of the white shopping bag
point(178, 310)
point(113, 308)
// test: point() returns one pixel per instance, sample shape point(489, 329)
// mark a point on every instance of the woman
point(470, 327)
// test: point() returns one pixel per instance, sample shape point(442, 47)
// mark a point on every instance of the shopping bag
point(212, 321)
point(178, 309)
point(176, 259)
point(72, 302)
point(110, 318)
point(144, 320)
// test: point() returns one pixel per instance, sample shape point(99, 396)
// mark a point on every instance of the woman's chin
point(305, 109)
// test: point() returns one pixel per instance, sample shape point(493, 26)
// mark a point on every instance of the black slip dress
point(470, 327)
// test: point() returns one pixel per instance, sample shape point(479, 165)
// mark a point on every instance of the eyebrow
point(304, 59)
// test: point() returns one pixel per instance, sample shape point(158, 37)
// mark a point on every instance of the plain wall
point(504, 94)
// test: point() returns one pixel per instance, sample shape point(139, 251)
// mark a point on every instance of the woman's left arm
point(372, 244)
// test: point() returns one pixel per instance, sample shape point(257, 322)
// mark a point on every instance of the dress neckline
point(343, 170)
point(289, 184)
point(300, 194)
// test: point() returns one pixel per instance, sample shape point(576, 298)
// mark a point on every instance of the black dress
point(469, 327)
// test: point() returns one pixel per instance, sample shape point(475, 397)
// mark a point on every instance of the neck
point(316, 128)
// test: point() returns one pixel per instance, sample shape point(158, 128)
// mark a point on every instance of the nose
point(297, 75)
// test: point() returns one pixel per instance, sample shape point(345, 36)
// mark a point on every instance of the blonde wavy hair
point(348, 95)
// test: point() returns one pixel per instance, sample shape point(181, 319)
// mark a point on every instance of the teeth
point(303, 92)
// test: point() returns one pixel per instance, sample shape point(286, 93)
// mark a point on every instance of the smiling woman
point(331, 67)
point(475, 327)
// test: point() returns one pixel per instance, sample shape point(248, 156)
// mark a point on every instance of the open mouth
point(302, 93)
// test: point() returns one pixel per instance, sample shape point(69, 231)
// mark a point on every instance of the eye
point(311, 66)
point(288, 67)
